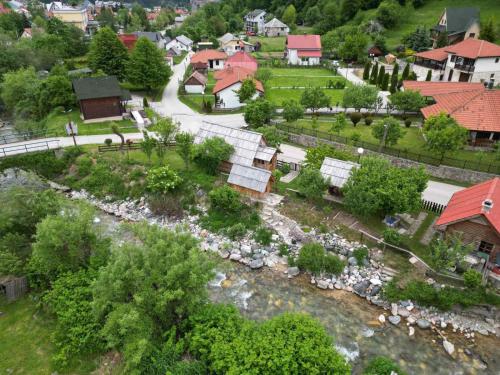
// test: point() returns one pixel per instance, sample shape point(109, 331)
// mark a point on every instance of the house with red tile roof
point(474, 215)
point(212, 58)
point(472, 60)
point(303, 49)
point(229, 82)
point(243, 60)
point(128, 40)
point(472, 105)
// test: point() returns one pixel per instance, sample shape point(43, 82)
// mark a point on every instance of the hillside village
point(212, 187)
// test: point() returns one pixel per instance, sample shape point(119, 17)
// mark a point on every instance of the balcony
point(430, 64)
point(464, 67)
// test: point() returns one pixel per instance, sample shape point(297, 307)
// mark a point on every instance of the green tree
point(106, 18)
point(166, 129)
point(388, 13)
point(313, 15)
point(66, 242)
point(428, 77)
point(377, 188)
point(444, 135)
point(442, 40)
point(107, 53)
point(374, 74)
point(292, 110)
point(316, 155)
point(311, 184)
point(394, 79)
point(385, 82)
point(148, 145)
point(146, 67)
point(420, 40)
point(141, 18)
point(211, 152)
point(382, 366)
point(289, 16)
point(407, 101)
point(247, 90)
point(448, 253)
point(353, 47)
point(18, 87)
point(56, 91)
point(147, 288)
point(184, 145)
point(488, 31)
point(314, 98)
point(360, 96)
point(264, 75)
point(162, 180)
point(388, 131)
point(366, 71)
point(381, 76)
point(225, 199)
point(339, 123)
point(272, 135)
point(259, 112)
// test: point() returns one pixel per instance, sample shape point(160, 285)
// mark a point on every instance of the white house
point(182, 42)
point(254, 21)
point(276, 28)
point(303, 49)
point(226, 90)
point(195, 83)
point(472, 60)
point(210, 59)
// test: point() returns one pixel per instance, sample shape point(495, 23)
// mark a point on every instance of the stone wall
point(442, 171)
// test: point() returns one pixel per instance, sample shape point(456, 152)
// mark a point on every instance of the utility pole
point(382, 144)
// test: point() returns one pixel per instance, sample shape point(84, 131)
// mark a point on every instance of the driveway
point(190, 121)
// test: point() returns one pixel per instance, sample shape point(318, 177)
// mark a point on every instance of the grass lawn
point(276, 44)
point(178, 59)
point(56, 123)
point(412, 141)
point(277, 96)
point(428, 15)
point(25, 346)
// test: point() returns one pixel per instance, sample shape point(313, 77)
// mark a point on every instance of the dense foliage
point(211, 153)
point(382, 366)
point(311, 184)
point(444, 134)
point(314, 258)
point(259, 112)
point(316, 155)
point(162, 179)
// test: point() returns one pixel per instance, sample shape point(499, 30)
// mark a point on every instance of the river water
point(352, 321)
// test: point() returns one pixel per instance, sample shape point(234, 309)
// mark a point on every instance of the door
point(464, 77)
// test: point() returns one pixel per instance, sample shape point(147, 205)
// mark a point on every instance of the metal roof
point(265, 153)
point(245, 143)
point(98, 87)
point(255, 13)
point(184, 40)
point(338, 171)
point(275, 23)
point(249, 177)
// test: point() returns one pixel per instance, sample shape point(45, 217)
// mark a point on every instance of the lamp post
point(360, 150)
point(70, 125)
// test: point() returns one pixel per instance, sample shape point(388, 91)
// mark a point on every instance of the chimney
point(487, 205)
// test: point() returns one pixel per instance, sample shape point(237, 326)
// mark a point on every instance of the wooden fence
point(14, 287)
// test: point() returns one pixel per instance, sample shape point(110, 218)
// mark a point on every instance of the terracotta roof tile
point(434, 88)
point(208, 54)
point(474, 48)
point(242, 59)
point(438, 54)
point(231, 79)
point(303, 42)
point(468, 203)
point(231, 70)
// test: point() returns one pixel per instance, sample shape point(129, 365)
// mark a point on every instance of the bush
point(472, 279)
point(161, 204)
point(284, 168)
point(408, 122)
point(263, 236)
point(382, 366)
point(391, 236)
point(355, 137)
point(355, 117)
point(162, 180)
point(108, 141)
point(103, 181)
point(313, 258)
point(332, 264)
point(84, 165)
point(145, 103)
point(368, 121)
point(45, 163)
point(236, 231)
point(360, 254)
point(225, 199)
point(211, 153)
point(283, 250)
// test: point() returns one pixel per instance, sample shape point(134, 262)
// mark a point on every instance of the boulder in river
point(293, 271)
point(395, 319)
point(361, 287)
point(423, 324)
point(323, 284)
point(448, 347)
point(256, 263)
point(381, 318)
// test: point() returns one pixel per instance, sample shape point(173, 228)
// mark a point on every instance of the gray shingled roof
point(459, 19)
point(275, 23)
point(338, 171)
point(245, 143)
point(255, 13)
point(153, 36)
point(98, 87)
point(265, 153)
point(249, 177)
point(184, 40)
point(227, 37)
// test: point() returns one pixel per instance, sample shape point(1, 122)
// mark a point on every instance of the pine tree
point(394, 79)
point(428, 78)
point(406, 72)
point(373, 77)
point(381, 76)
point(366, 72)
point(385, 82)
point(107, 53)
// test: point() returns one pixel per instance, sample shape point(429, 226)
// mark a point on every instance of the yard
point(178, 59)
point(57, 121)
point(276, 44)
point(289, 83)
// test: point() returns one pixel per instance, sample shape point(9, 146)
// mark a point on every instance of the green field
point(276, 44)
point(56, 123)
point(277, 96)
point(428, 15)
point(412, 141)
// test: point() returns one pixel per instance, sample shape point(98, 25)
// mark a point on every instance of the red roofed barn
point(474, 215)
point(473, 106)
point(303, 49)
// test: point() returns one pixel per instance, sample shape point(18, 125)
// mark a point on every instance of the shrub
point(236, 231)
point(283, 250)
point(391, 236)
point(84, 165)
point(368, 121)
point(225, 199)
point(355, 137)
point(162, 180)
point(472, 279)
point(355, 117)
point(360, 254)
point(263, 236)
point(211, 153)
point(103, 181)
point(382, 366)
point(284, 168)
point(145, 103)
point(333, 264)
point(408, 122)
point(46, 163)
point(108, 141)
point(311, 258)
point(161, 204)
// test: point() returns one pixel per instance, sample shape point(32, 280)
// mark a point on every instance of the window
point(485, 247)
point(472, 35)
point(453, 58)
point(497, 59)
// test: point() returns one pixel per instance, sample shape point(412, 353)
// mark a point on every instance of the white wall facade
point(194, 89)
point(485, 69)
point(421, 72)
point(229, 97)
point(215, 64)
point(294, 59)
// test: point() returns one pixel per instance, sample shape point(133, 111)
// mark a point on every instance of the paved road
point(190, 120)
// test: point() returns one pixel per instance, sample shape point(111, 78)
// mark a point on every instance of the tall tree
point(388, 131)
point(394, 79)
point(107, 53)
point(488, 31)
point(290, 16)
point(292, 110)
point(385, 82)
point(184, 145)
point(408, 101)
point(381, 75)
point(428, 77)
point(360, 96)
point(374, 75)
point(442, 40)
point(444, 134)
point(314, 98)
point(146, 67)
point(259, 112)
point(247, 90)
point(366, 71)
